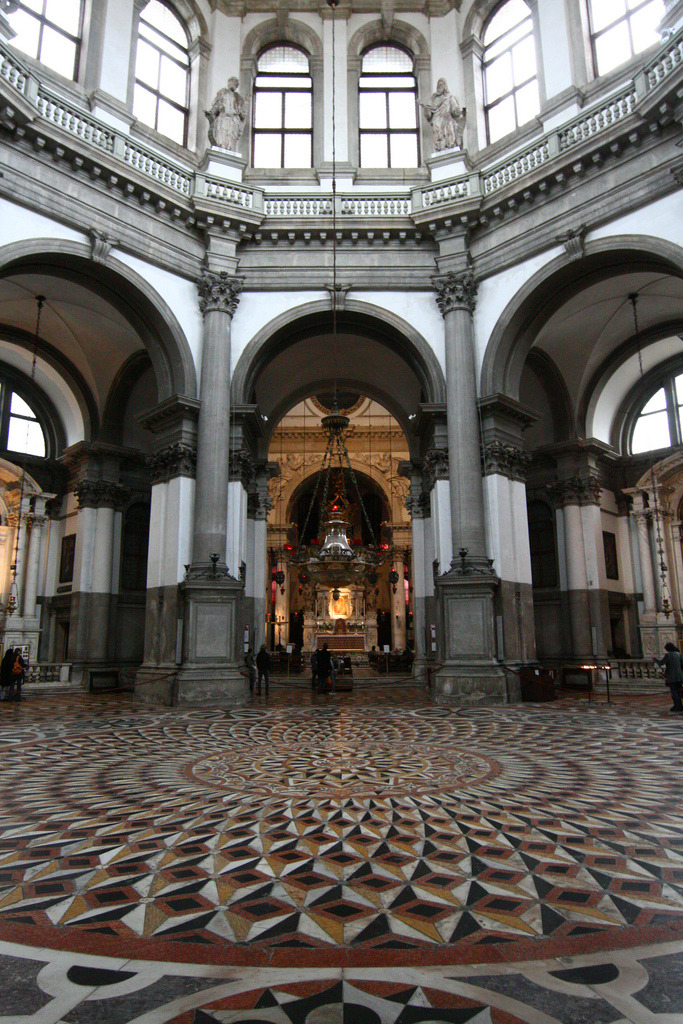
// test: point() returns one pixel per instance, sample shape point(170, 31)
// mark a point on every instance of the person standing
point(263, 666)
point(6, 677)
point(251, 669)
point(314, 670)
point(673, 673)
point(324, 668)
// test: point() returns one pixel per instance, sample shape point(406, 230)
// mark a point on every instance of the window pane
point(612, 48)
point(298, 110)
point(286, 82)
point(171, 122)
point(65, 13)
point(657, 402)
point(297, 150)
point(173, 81)
point(373, 110)
point(27, 31)
point(502, 119)
point(524, 60)
point(651, 432)
point(34, 5)
point(58, 52)
point(145, 106)
point(161, 43)
point(504, 19)
point(19, 407)
point(386, 58)
point(373, 151)
point(147, 64)
point(25, 436)
point(402, 113)
point(267, 151)
point(268, 111)
point(604, 12)
point(644, 27)
point(163, 19)
point(679, 389)
point(507, 41)
point(403, 150)
point(499, 78)
point(283, 58)
point(527, 102)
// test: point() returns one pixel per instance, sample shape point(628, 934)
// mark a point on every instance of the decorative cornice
point(506, 459)
point(574, 242)
point(177, 459)
point(219, 292)
point(456, 291)
point(101, 494)
point(575, 491)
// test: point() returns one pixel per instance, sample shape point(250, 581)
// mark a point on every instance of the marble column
point(470, 672)
point(33, 567)
point(218, 298)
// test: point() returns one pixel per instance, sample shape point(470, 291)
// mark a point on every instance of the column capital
point(178, 459)
point(505, 459)
point(456, 291)
point(575, 491)
point(101, 494)
point(435, 467)
point(219, 292)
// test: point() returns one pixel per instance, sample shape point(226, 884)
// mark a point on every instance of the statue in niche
point(227, 116)
point(446, 118)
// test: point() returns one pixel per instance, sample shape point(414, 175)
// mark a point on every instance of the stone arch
point(401, 33)
point(137, 301)
point(296, 486)
point(553, 285)
point(270, 32)
point(401, 341)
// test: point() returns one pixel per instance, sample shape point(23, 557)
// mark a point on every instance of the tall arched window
point(282, 133)
point(50, 31)
point(620, 29)
point(20, 427)
point(162, 72)
point(511, 95)
point(659, 423)
point(387, 116)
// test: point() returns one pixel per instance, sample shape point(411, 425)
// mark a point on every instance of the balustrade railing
point(48, 672)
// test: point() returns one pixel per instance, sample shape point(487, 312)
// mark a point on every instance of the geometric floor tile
point(364, 831)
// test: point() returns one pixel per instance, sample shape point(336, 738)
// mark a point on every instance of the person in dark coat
point(6, 677)
point(263, 666)
point(314, 670)
point(324, 668)
point(251, 669)
point(673, 673)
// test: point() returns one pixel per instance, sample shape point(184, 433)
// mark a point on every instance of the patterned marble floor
point(367, 857)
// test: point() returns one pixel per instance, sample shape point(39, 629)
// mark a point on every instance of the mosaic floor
point(359, 858)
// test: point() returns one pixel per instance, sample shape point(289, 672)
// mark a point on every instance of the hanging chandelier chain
point(360, 500)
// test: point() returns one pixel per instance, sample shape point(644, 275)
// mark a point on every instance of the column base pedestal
point(212, 655)
point(470, 673)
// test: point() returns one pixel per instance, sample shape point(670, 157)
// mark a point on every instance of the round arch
point(269, 32)
point(401, 33)
point(551, 287)
point(402, 349)
point(141, 306)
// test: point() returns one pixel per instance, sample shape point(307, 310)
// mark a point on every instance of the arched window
point(387, 116)
point(20, 427)
point(134, 545)
point(620, 29)
point(511, 95)
point(542, 544)
point(659, 423)
point(282, 133)
point(162, 72)
point(50, 31)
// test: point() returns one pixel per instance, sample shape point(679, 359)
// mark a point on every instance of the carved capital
point(419, 505)
point(101, 494)
point(179, 459)
point(575, 491)
point(242, 467)
point(456, 291)
point(506, 459)
point(435, 467)
point(218, 291)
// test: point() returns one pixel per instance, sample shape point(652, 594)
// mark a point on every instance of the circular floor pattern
point(348, 830)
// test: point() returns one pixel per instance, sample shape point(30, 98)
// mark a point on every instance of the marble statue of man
point(226, 117)
point(446, 118)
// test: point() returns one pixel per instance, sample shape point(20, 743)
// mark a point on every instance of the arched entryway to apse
point(391, 368)
point(570, 350)
point(108, 348)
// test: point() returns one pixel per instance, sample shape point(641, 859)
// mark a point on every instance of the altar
point(339, 620)
point(342, 642)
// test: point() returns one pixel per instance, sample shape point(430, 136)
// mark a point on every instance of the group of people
point(258, 669)
point(324, 668)
point(12, 674)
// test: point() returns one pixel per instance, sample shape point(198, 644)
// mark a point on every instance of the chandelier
point(334, 561)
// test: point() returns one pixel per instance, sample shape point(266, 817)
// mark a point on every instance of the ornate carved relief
point(101, 494)
point(456, 291)
point(435, 467)
point(419, 505)
point(575, 491)
point(506, 459)
point(218, 291)
point(178, 459)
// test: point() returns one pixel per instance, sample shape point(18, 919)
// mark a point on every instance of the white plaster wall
point(226, 42)
point(446, 61)
point(661, 219)
point(116, 50)
point(17, 224)
point(178, 293)
point(556, 69)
